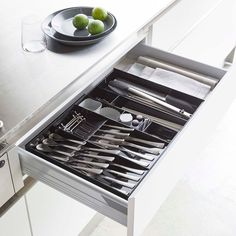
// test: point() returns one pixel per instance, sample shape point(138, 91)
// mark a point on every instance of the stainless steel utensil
point(118, 127)
point(106, 145)
point(103, 137)
point(122, 183)
point(116, 133)
point(101, 150)
point(59, 138)
point(47, 149)
point(154, 144)
point(91, 170)
point(127, 90)
point(105, 158)
point(127, 176)
point(155, 151)
point(98, 164)
point(149, 157)
point(59, 158)
point(133, 170)
point(138, 162)
point(52, 143)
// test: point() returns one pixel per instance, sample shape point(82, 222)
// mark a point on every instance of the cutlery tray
point(130, 152)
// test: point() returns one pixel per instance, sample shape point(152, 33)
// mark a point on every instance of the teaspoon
point(45, 148)
point(51, 142)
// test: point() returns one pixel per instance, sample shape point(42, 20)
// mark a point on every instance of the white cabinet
point(214, 38)
point(52, 213)
point(15, 221)
point(6, 190)
point(179, 21)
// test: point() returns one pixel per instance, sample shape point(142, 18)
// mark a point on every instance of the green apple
point(80, 21)
point(99, 13)
point(95, 27)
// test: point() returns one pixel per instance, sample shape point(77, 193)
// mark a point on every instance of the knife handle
point(180, 104)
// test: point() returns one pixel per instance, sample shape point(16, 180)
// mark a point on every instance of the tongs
point(126, 90)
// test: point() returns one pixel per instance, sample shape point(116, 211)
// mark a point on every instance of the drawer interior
point(113, 138)
point(118, 130)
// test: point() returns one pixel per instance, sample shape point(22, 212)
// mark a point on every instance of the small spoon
point(51, 142)
point(45, 148)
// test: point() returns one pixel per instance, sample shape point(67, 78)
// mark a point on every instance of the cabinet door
point(52, 213)
point(212, 40)
point(15, 221)
point(6, 190)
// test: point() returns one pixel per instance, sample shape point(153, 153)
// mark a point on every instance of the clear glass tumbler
point(32, 36)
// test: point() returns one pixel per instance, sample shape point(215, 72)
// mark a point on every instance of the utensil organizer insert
point(127, 158)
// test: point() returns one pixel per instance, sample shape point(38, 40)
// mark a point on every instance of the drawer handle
point(2, 163)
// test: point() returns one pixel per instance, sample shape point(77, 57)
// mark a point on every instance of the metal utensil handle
point(105, 158)
point(114, 133)
point(162, 103)
point(122, 183)
point(98, 164)
point(149, 150)
point(76, 141)
point(143, 156)
point(70, 147)
point(100, 150)
point(118, 127)
point(127, 176)
point(64, 159)
point(109, 138)
point(141, 163)
point(63, 153)
point(106, 145)
point(91, 170)
point(136, 171)
point(154, 144)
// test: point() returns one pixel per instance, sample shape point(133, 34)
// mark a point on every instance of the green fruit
point(95, 27)
point(99, 13)
point(80, 21)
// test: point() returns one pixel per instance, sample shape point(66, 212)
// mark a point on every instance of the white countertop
point(28, 80)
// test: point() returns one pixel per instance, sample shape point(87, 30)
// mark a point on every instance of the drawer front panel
point(74, 187)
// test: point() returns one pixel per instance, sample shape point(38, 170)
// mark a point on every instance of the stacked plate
point(58, 26)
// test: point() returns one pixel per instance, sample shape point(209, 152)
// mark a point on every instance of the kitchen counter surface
point(30, 81)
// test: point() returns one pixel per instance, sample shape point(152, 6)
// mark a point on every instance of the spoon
point(59, 138)
point(51, 142)
point(46, 148)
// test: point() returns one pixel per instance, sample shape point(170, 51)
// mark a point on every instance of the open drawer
point(136, 208)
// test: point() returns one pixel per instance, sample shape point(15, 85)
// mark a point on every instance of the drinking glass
point(32, 36)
